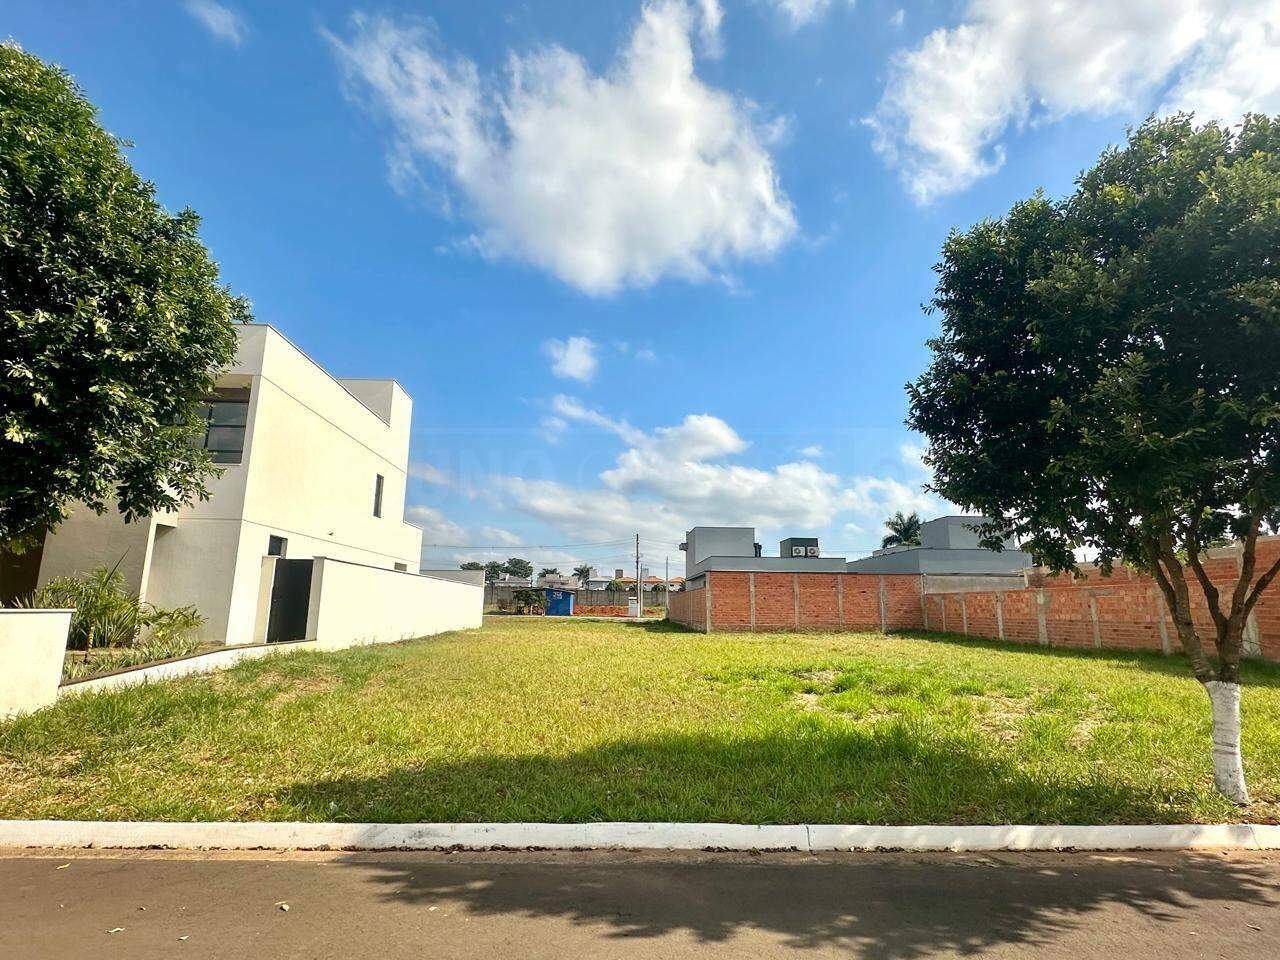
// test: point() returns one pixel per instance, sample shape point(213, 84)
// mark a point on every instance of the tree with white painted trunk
point(1107, 380)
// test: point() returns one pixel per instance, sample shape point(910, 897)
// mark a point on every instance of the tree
point(492, 571)
point(518, 568)
point(903, 530)
point(583, 573)
point(619, 586)
point(549, 572)
point(1108, 377)
point(471, 565)
point(529, 601)
point(113, 323)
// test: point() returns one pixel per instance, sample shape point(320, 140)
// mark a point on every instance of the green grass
point(558, 721)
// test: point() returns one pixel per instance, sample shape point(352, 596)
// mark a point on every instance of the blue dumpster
point(559, 603)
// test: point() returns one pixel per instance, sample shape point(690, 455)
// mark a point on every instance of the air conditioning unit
point(799, 551)
point(812, 551)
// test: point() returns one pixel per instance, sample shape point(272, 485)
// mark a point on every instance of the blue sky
point(640, 265)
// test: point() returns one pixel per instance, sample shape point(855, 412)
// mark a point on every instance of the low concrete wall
point(354, 604)
point(206, 662)
point(33, 644)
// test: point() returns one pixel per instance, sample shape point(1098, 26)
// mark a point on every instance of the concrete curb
point(627, 836)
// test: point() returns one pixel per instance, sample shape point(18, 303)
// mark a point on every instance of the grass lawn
point(559, 721)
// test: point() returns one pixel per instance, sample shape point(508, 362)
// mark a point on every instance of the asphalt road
point(543, 905)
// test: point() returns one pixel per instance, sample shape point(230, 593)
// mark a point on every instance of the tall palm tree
point(549, 572)
point(583, 573)
point(903, 530)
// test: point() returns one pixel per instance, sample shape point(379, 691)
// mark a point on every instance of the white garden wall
point(355, 604)
point(33, 644)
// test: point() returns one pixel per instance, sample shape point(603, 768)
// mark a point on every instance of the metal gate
point(290, 601)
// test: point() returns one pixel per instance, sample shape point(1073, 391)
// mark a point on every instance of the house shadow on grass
point(873, 906)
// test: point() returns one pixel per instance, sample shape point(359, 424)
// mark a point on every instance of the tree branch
point(1174, 585)
point(1207, 587)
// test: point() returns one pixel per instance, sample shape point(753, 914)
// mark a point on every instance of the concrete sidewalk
point(622, 905)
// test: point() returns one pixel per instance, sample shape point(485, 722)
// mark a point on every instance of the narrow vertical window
point(276, 546)
point(377, 495)
point(225, 414)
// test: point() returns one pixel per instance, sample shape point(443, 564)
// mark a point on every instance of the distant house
point(948, 546)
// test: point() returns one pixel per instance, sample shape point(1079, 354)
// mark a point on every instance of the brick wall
point(801, 601)
point(1125, 611)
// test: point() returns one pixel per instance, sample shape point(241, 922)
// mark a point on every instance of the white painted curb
point(627, 836)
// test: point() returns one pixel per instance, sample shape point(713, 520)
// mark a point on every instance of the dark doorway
point(290, 598)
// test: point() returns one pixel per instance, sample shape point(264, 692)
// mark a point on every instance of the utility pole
point(666, 584)
point(639, 585)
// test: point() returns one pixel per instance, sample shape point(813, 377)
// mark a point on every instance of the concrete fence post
point(840, 597)
point(33, 644)
point(1000, 615)
point(1093, 615)
point(751, 592)
point(964, 616)
point(884, 607)
point(1042, 609)
point(707, 600)
point(795, 597)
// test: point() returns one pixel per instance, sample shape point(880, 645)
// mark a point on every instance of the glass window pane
point(229, 414)
point(225, 438)
point(224, 456)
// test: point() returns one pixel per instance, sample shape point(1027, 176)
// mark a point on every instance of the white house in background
point(313, 466)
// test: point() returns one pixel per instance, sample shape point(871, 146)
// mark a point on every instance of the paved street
point(598, 905)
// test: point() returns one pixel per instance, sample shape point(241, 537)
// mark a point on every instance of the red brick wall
point(803, 601)
point(1124, 611)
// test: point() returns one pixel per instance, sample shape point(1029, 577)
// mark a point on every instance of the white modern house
point(304, 535)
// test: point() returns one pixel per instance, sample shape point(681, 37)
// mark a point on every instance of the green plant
point(528, 601)
point(150, 651)
point(1108, 379)
point(107, 615)
point(904, 530)
point(113, 321)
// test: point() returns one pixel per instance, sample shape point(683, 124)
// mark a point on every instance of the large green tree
point(113, 323)
point(1108, 378)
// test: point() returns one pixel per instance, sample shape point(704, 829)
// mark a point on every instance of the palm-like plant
point(583, 573)
point(549, 572)
point(904, 530)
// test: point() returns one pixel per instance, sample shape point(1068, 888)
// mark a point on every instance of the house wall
point(752, 601)
point(313, 447)
point(407, 605)
point(32, 646)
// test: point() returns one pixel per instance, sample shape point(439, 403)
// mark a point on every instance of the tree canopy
point(904, 530)
point(518, 567)
point(1108, 373)
point(113, 322)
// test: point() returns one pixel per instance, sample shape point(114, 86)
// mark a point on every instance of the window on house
point(277, 546)
point(402, 567)
point(225, 414)
point(377, 495)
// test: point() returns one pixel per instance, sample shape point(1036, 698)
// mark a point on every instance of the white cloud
point(711, 15)
point(222, 22)
point(665, 480)
point(800, 12)
point(813, 452)
point(605, 180)
point(898, 19)
point(436, 528)
point(428, 473)
point(497, 535)
point(949, 102)
point(573, 359)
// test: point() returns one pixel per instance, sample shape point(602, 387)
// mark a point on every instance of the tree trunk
point(1228, 769)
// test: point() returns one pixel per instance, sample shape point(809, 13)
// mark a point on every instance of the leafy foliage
point(108, 615)
point(471, 565)
point(492, 570)
point(518, 567)
point(583, 573)
point(549, 572)
point(903, 530)
point(529, 601)
point(112, 320)
point(1108, 374)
